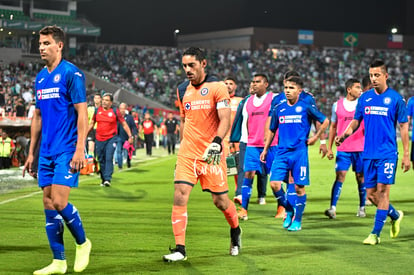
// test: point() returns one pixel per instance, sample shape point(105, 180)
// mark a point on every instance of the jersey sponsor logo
point(78, 74)
point(368, 99)
point(198, 105)
point(204, 91)
point(298, 109)
point(48, 93)
point(41, 80)
point(257, 113)
point(68, 177)
point(387, 101)
point(56, 78)
point(290, 119)
point(282, 110)
point(376, 110)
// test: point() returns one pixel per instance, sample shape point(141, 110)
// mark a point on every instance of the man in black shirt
point(172, 129)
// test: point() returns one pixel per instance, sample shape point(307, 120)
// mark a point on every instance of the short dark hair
point(291, 73)
point(98, 94)
point(296, 79)
point(232, 78)
point(262, 76)
point(366, 81)
point(111, 97)
point(378, 63)
point(198, 53)
point(57, 33)
point(350, 82)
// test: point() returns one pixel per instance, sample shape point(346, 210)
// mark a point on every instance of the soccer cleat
point(261, 201)
point(361, 212)
point(330, 213)
point(372, 239)
point(82, 256)
point(56, 267)
point(102, 184)
point(235, 241)
point(281, 213)
point(176, 255)
point(395, 225)
point(288, 219)
point(107, 183)
point(238, 199)
point(295, 226)
point(242, 213)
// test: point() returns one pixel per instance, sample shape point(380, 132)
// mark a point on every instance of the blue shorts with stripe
point(344, 160)
point(379, 171)
point(56, 170)
point(252, 159)
point(295, 161)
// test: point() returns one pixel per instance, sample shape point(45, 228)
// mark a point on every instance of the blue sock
point(394, 215)
point(246, 192)
point(73, 221)
point(300, 207)
point(380, 218)
point(362, 194)
point(291, 197)
point(336, 192)
point(280, 197)
point(54, 231)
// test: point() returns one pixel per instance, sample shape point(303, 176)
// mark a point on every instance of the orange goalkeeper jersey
point(198, 107)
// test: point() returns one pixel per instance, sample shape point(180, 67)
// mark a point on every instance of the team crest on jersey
point(204, 91)
point(387, 100)
point(298, 109)
point(187, 106)
point(56, 78)
point(281, 119)
point(39, 94)
point(367, 110)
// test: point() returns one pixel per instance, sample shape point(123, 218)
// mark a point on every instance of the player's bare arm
point(405, 164)
point(352, 127)
point(35, 130)
point(78, 158)
point(320, 131)
point(182, 121)
point(331, 138)
point(224, 117)
point(269, 135)
point(128, 131)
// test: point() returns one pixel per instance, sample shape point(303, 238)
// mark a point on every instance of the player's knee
point(275, 185)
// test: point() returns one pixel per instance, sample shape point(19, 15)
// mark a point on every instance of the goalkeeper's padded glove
point(213, 152)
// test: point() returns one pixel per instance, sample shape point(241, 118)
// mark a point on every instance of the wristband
point(323, 141)
point(217, 139)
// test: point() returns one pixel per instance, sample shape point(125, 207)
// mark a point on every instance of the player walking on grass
point(205, 120)
point(381, 108)
point(61, 118)
point(350, 152)
point(293, 120)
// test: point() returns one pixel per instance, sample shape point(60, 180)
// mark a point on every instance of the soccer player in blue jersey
point(61, 118)
point(381, 108)
point(280, 98)
point(293, 119)
point(410, 108)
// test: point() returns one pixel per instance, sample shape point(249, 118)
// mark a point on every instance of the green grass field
point(130, 228)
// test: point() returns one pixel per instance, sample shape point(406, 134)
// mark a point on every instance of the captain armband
point(223, 104)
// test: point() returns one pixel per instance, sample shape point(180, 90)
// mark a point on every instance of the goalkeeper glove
point(213, 152)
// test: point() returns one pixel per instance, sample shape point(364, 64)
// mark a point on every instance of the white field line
point(39, 192)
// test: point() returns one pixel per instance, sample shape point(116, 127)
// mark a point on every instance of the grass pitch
point(130, 228)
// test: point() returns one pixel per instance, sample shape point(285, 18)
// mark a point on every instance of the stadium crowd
point(156, 72)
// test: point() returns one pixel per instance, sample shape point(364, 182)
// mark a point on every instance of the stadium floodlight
point(177, 31)
point(394, 30)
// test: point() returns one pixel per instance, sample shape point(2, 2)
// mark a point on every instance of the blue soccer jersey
point(380, 113)
point(294, 123)
point(56, 94)
point(410, 109)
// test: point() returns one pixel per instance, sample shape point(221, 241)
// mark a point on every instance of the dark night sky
point(153, 22)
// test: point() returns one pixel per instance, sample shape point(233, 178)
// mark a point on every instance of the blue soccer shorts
point(291, 161)
point(56, 170)
point(344, 160)
point(252, 159)
point(379, 171)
